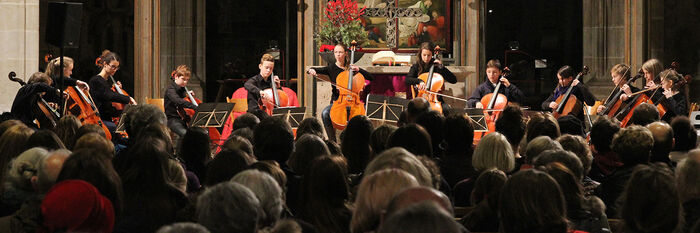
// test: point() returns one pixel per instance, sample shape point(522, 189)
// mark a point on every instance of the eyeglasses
point(113, 67)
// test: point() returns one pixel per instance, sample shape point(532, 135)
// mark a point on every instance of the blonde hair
point(493, 151)
point(267, 57)
point(400, 158)
point(181, 70)
point(621, 69)
point(374, 194)
point(54, 66)
point(654, 67)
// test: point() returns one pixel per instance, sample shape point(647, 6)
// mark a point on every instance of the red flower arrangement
point(341, 24)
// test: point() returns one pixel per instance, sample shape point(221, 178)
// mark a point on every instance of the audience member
point(541, 124)
point(311, 126)
point(95, 141)
point(685, 137)
point(644, 114)
point(67, 129)
point(512, 125)
point(46, 139)
point(416, 195)
point(183, 227)
point(273, 140)
point(456, 162)
point(12, 144)
point(246, 120)
point(650, 201)
point(531, 201)
point(535, 147)
point(235, 142)
point(605, 160)
point(226, 165)
point(422, 217)
point(268, 192)
point(484, 216)
point(400, 158)
point(379, 138)
point(373, 196)
point(17, 188)
point(306, 148)
point(229, 207)
point(663, 142)
point(325, 195)
point(433, 121)
point(355, 143)
point(580, 148)
point(76, 206)
point(413, 138)
point(569, 124)
point(197, 153)
point(688, 184)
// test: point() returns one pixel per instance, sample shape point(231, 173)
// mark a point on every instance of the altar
point(388, 81)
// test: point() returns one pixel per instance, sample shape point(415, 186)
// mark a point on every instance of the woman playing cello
point(621, 75)
point(341, 64)
point(425, 59)
point(675, 97)
point(101, 91)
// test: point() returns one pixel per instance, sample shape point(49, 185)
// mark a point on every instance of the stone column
point(147, 49)
point(19, 50)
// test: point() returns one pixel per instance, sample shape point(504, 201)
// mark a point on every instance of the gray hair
point(229, 207)
point(49, 168)
point(687, 179)
point(183, 227)
point(538, 145)
point(493, 150)
point(400, 158)
point(137, 117)
point(426, 216)
point(268, 192)
point(23, 168)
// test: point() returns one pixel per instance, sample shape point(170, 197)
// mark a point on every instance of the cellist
point(620, 73)
point(422, 65)
point(38, 83)
point(53, 70)
point(174, 99)
point(333, 70)
point(261, 81)
point(493, 74)
point(565, 76)
point(652, 68)
point(101, 91)
point(675, 97)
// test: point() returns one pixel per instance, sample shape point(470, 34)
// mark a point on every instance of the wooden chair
point(158, 102)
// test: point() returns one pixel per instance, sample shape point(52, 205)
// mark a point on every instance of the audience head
point(569, 124)
point(379, 137)
point(650, 200)
point(373, 196)
point(90, 128)
point(183, 227)
point(313, 126)
point(493, 151)
point(537, 145)
point(23, 170)
point(684, 134)
point(160, 131)
point(246, 133)
point(512, 125)
point(687, 179)
point(571, 187)
point(416, 107)
point(7, 124)
point(414, 195)
point(633, 144)
point(273, 169)
point(229, 207)
point(95, 167)
point(95, 141)
point(644, 114)
point(137, 117)
point(49, 168)
point(663, 141)
point(566, 158)
point(355, 143)
point(602, 132)
point(273, 140)
point(245, 120)
point(46, 139)
point(175, 175)
point(225, 165)
point(67, 129)
point(488, 186)
point(542, 124)
point(325, 193)
point(531, 201)
point(400, 158)
point(413, 138)
point(433, 121)
point(268, 192)
point(76, 206)
point(12, 143)
point(426, 216)
point(579, 147)
point(235, 142)
point(459, 135)
point(307, 148)
point(194, 150)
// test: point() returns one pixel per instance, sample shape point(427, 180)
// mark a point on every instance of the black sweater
point(102, 94)
point(332, 70)
point(173, 99)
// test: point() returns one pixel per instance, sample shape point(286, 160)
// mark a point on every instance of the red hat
point(76, 205)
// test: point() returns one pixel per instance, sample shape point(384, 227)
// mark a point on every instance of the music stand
point(384, 108)
point(292, 115)
point(121, 126)
point(478, 118)
point(211, 114)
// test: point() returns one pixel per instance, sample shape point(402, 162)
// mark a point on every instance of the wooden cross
point(392, 14)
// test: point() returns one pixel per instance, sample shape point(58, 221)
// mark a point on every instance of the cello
point(274, 97)
point(116, 105)
point(47, 116)
point(567, 103)
point(495, 100)
point(612, 107)
point(433, 83)
point(348, 103)
point(82, 107)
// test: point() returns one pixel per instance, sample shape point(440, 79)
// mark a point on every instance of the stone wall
point(182, 41)
point(19, 33)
